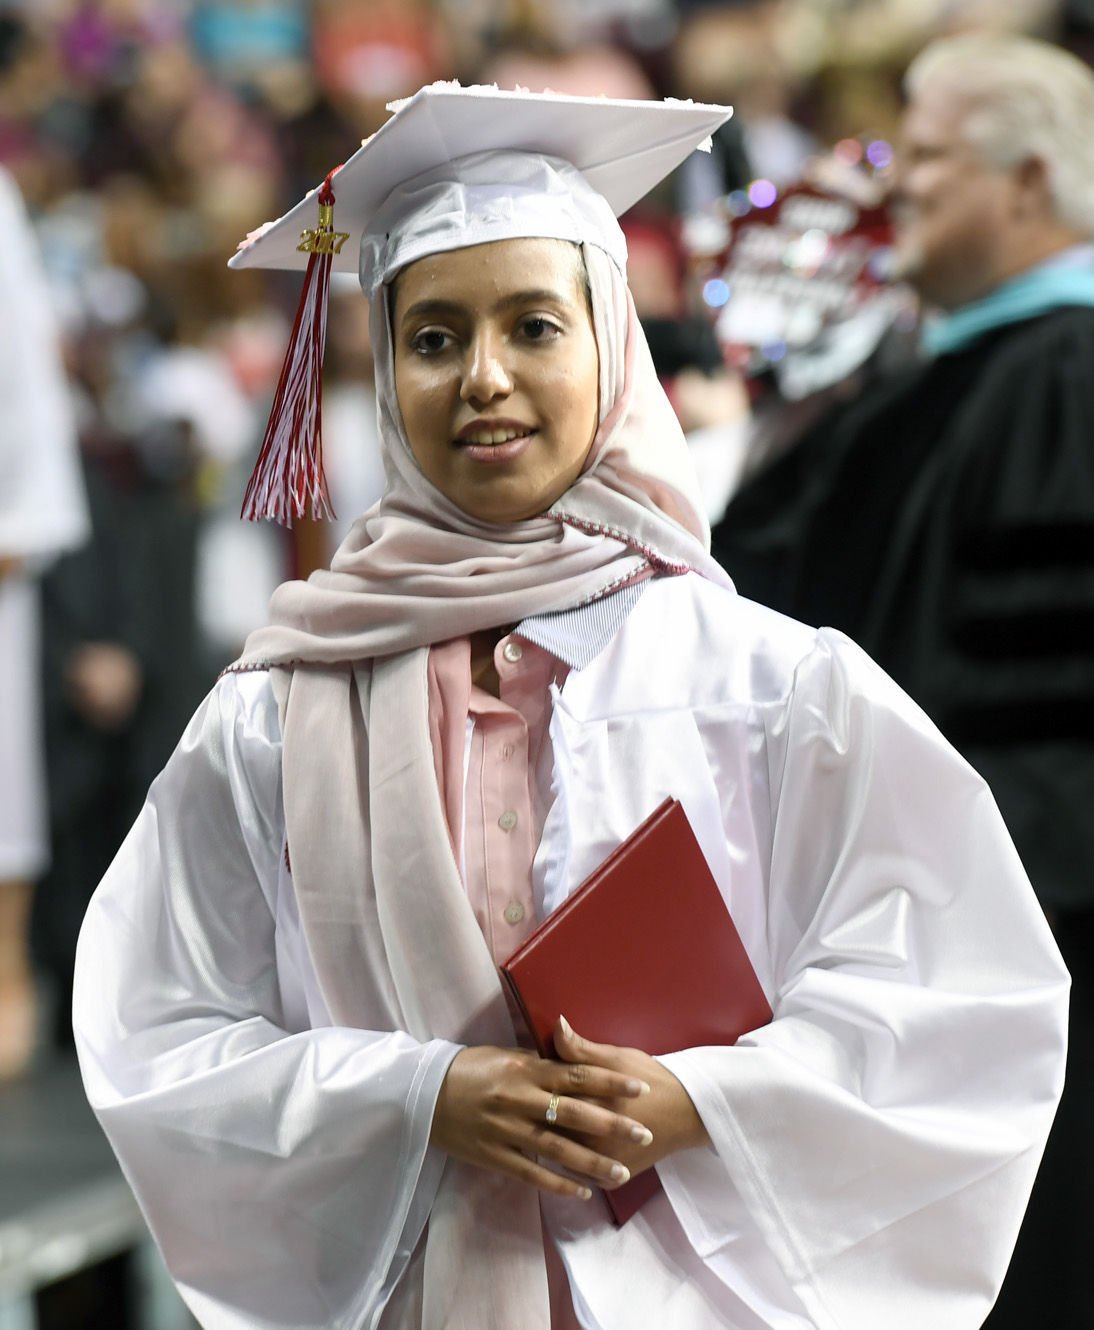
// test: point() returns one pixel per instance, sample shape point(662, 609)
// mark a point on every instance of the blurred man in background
point(945, 520)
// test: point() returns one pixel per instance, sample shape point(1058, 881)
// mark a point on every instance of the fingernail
point(619, 1173)
point(584, 1194)
point(565, 1027)
point(637, 1087)
point(642, 1135)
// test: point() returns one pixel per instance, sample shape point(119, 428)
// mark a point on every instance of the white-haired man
point(945, 519)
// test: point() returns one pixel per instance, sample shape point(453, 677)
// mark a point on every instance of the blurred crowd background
point(147, 137)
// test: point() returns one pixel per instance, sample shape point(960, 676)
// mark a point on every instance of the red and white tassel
point(288, 476)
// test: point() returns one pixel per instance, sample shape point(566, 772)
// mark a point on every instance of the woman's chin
point(502, 514)
point(503, 506)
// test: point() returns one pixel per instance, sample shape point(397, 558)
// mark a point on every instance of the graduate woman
point(288, 1009)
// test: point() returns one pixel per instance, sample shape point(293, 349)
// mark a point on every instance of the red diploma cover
point(643, 954)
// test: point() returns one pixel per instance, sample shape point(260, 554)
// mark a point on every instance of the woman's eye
point(429, 341)
point(538, 329)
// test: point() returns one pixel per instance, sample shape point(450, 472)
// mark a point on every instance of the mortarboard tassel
point(288, 475)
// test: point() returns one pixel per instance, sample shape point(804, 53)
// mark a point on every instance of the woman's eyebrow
point(430, 308)
point(541, 295)
point(434, 307)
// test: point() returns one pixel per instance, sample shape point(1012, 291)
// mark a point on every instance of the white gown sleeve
point(284, 1170)
point(883, 1131)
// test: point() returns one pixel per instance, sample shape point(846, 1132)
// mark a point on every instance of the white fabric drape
point(42, 506)
point(42, 513)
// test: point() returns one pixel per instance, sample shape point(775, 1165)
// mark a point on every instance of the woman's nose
point(485, 376)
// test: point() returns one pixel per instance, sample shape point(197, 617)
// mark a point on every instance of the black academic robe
point(945, 520)
point(131, 585)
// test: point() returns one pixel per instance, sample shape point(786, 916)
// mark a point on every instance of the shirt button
point(512, 651)
point(507, 751)
point(514, 912)
point(508, 820)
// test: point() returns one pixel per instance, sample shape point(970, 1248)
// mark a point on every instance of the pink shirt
point(487, 752)
point(487, 760)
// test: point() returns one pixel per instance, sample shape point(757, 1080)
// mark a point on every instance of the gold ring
point(552, 1111)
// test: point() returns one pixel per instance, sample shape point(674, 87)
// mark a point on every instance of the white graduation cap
point(453, 166)
point(622, 148)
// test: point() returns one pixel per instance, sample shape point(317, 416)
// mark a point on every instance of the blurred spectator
point(123, 660)
point(241, 40)
point(945, 519)
point(42, 512)
point(542, 51)
point(709, 400)
point(805, 307)
point(736, 54)
point(369, 54)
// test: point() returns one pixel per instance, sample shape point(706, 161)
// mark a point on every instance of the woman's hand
point(667, 1110)
point(492, 1111)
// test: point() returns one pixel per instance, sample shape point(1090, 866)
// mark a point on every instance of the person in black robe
point(121, 664)
point(945, 520)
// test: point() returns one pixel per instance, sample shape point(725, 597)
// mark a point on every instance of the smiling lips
point(492, 432)
point(494, 440)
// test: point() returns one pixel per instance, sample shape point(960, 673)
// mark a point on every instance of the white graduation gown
point(872, 1148)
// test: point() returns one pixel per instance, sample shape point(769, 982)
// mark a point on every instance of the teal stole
point(1048, 286)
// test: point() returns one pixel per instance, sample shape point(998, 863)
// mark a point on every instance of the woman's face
point(496, 373)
